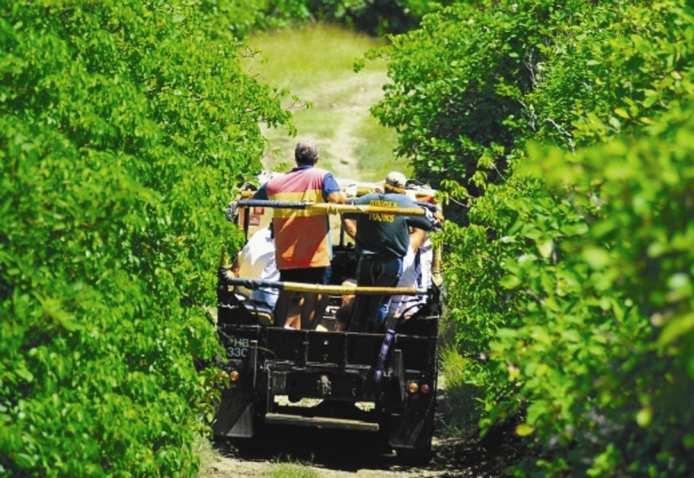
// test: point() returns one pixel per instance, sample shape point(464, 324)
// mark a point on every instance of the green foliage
point(576, 293)
point(122, 126)
point(374, 16)
point(375, 151)
point(371, 16)
point(569, 286)
point(479, 79)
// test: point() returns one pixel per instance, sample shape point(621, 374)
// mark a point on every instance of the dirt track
point(345, 103)
point(363, 90)
point(340, 454)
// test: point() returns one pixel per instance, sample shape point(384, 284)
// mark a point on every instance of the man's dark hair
point(305, 153)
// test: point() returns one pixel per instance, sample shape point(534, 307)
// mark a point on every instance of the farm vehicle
point(384, 384)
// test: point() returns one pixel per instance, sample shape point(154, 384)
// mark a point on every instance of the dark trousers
point(369, 311)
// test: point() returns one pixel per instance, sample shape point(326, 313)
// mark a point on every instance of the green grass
point(375, 154)
point(312, 123)
point(287, 470)
point(298, 58)
point(460, 407)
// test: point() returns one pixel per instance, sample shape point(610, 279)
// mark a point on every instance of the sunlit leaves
point(481, 78)
point(123, 128)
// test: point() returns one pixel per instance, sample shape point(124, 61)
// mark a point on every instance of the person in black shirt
point(382, 241)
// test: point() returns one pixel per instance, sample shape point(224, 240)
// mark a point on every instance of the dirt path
point(360, 92)
point(338, 110)
point(314, 65)
point(308, 453)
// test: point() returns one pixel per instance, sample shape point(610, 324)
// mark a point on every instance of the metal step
point(321, 422)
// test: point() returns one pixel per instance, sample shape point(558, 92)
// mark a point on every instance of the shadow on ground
point(362, 451)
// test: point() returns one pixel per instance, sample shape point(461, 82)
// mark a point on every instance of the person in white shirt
point(416, 272)
point(257, 261)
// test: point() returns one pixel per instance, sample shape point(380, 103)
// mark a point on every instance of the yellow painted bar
point(321, 288)
point(349, 290)
point(331, 208)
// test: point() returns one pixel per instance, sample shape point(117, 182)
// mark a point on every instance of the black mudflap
point(235, 415)
point(414, 427)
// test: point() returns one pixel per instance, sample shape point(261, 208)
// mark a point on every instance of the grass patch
point(375, 158)
point(208, 457)
point(460, 415)
point(322, 124)
point(298, 58)
point(310, 123)
point(288, 470)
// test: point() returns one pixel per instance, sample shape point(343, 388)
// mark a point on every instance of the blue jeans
point(369, 311)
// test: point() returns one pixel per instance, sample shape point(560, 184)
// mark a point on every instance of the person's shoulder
point(368, 197)
point(401, 199)
point(327, 176)
point(276, 177)
point(315, 172)
point(330, 184)
point(311, 170)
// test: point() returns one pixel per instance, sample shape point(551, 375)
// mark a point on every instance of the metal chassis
point(267, 359)
point(273, 361)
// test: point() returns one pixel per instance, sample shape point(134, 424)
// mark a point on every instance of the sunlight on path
point(315, 64)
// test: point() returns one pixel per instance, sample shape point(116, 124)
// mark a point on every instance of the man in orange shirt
point(301, 236)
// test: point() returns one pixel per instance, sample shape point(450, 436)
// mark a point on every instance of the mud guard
point(235, 416)
point(414, 427)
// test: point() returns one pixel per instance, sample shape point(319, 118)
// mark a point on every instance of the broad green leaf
point(545, 247)
point(510, 282)
point(622, 113)
point(677, 327)
point(596, 257)
point(644, 417)
point(524, 430)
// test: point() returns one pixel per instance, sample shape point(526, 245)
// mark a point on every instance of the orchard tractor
point(320, 376)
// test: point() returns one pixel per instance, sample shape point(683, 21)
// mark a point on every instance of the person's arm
point(350, 227)
point(420, 222)
point(235, 266)
point(417, 238)
point(232, 209)
point(331, 190)
point(349, 219)
point(425, 222)
point(337, 197)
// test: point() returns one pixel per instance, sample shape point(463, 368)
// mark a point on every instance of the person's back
point(295, 248)
point(256, 260)
point(302, 241)
point(382, 242)
point(386, 233)
point(416, 272)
